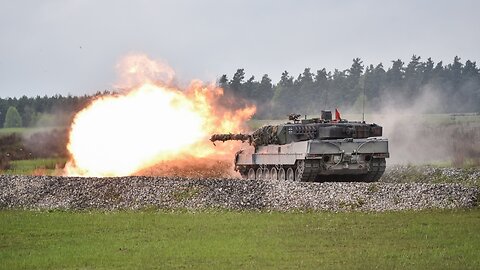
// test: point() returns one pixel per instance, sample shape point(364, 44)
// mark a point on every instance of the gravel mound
point(430, 174)
point(49, 192)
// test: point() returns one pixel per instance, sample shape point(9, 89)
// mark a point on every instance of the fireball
point(150, 123)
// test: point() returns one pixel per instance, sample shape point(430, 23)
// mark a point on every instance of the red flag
point(337, 115)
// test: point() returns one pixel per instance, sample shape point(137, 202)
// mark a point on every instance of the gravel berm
point(50, 192)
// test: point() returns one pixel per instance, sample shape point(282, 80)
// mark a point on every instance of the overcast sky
point(72, 46)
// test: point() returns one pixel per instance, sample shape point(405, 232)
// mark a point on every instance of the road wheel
point(290, 175)
point(251, 174)
point(281, 174)
point(274, 174)
point(266, 174)
point(259, 174)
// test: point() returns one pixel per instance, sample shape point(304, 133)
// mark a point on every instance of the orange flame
point(152, 122)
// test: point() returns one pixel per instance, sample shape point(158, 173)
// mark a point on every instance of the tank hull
point(316, 160)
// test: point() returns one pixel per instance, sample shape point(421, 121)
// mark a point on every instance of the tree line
point(54, 110)
point(352, 89)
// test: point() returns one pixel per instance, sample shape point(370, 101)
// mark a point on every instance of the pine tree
point(12, 118)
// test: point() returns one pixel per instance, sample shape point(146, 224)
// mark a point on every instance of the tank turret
point(315, 149)
point(305, 129)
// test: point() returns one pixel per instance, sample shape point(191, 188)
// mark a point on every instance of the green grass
point(26, 131)
point(30, 166)
point(245, 240)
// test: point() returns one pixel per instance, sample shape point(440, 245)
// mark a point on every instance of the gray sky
point(72, 46)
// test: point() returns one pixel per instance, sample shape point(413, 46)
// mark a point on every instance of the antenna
point(363, 105)
point(326, 99)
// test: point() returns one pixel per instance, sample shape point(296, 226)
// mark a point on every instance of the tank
point(312, 150)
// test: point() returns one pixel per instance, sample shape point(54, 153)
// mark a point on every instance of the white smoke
point(413, 136)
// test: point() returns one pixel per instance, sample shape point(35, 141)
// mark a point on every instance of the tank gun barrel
point(231, 137)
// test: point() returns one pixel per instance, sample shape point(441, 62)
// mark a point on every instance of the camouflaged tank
point(317, 149)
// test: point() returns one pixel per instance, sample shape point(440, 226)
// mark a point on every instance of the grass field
point(246, 240)
point(26, 131)
point(46, 166)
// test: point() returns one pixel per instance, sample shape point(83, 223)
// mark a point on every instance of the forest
point(457, 84)
point(360, 87)
point(40, 111)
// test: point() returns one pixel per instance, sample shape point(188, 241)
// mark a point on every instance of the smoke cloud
point(417, 136)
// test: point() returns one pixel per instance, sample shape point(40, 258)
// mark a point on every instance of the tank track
point(309, 171)
point(377, 168)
